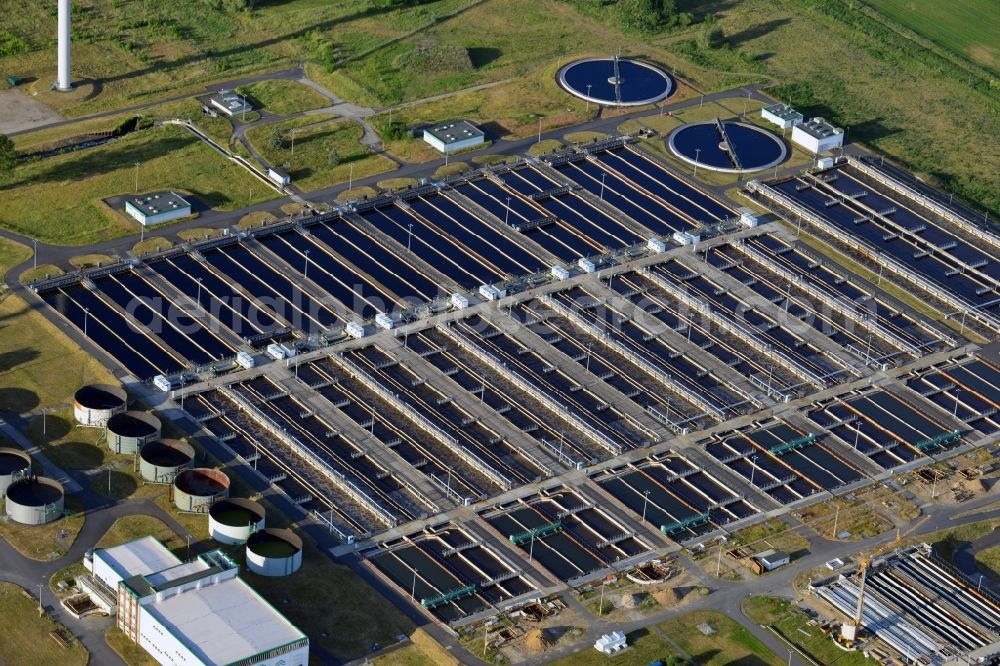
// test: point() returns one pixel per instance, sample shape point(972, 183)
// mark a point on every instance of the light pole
point(292, 134)
point(86, 316)
point(305, 270)
point(413, 588)
point(857, 434)
point(199, 292)
point(136, 177)
point(753, 468)
point(244, 118)
point(603, 176)
point(35, 243)
point(697, 156)
point(409, 238)
point(350, 178)
point(539, 128)
point(600, 607)
point(506, 214)
point(588, 97)
point(836, 519)
point(188, 537)
point(645, 501)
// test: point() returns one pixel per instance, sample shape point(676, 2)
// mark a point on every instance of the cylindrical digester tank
point(15, 465)
point(232, 521)
point(94, 404)
point(162, 459)
point(274, 552)
point(128, 431)
point(35, 501)
point(197, 489)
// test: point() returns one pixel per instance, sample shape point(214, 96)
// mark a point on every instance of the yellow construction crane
point(850, 629)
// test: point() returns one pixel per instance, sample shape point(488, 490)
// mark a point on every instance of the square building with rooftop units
point(230, 103)
point(817, 135)
point(781, 115)
point(157, 207)
point(454, 135)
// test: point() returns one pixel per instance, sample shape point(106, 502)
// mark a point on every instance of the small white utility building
point(610, 643)
point(781, 115)
point(817, 135)
point(230, 103)
point(279, 176)
point(157, 207)
point(454, 135)
point(772, 559)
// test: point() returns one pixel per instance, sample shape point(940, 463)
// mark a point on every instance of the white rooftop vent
point(355, 330)
point(656, 245)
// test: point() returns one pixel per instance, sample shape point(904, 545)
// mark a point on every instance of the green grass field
point(730, 644)
point(308, 162)
point(26, 638)
point(59, 200)
point(39, 366)
point(968, 28)
point(792, 624)
point(282, 97)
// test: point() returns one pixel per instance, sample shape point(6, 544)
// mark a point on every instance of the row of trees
point(8, 155)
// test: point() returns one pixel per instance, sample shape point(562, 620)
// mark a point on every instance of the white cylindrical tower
point(63, 79)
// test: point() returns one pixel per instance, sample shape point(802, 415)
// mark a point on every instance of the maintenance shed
point(157, 207)
point(454, 135)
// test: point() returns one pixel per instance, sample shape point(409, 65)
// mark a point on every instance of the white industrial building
point(157, 207)
point(781, 115)
point(817, 135)
point(611, 643)
point(772, 559)
point(230, 103)
point(454, 136)
point(194, 613)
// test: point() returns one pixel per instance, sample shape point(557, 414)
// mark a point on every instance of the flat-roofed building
point(454, 135)
point(817, 135)
point(157, 207)
point(230, 103)
point(781, 115)
point(194, 613)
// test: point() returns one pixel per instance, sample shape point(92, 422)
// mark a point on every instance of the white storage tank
point(35, 500)
point(127, 432)
point(94, 404)
point(161, 460)
point(197, 489)
point(232, 521)
point(274, 552)
point(15, 465)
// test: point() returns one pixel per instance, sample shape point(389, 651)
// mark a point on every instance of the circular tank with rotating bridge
point(15, 465)
point(232, 521)
point(127, 432)
point(274, 552)
point(615, 81)
point(35, 500)
point(197, 489)
point(94, 404)
point(160, 460)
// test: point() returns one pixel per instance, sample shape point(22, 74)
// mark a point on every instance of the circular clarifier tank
point(728, 146)
point(14, 464)
point(129, 431)
point(160, 460)
point(34, 501)
point(196, 490)
point(94, 404)
point(616, 81)
point(232, 521)
point(274, 552)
